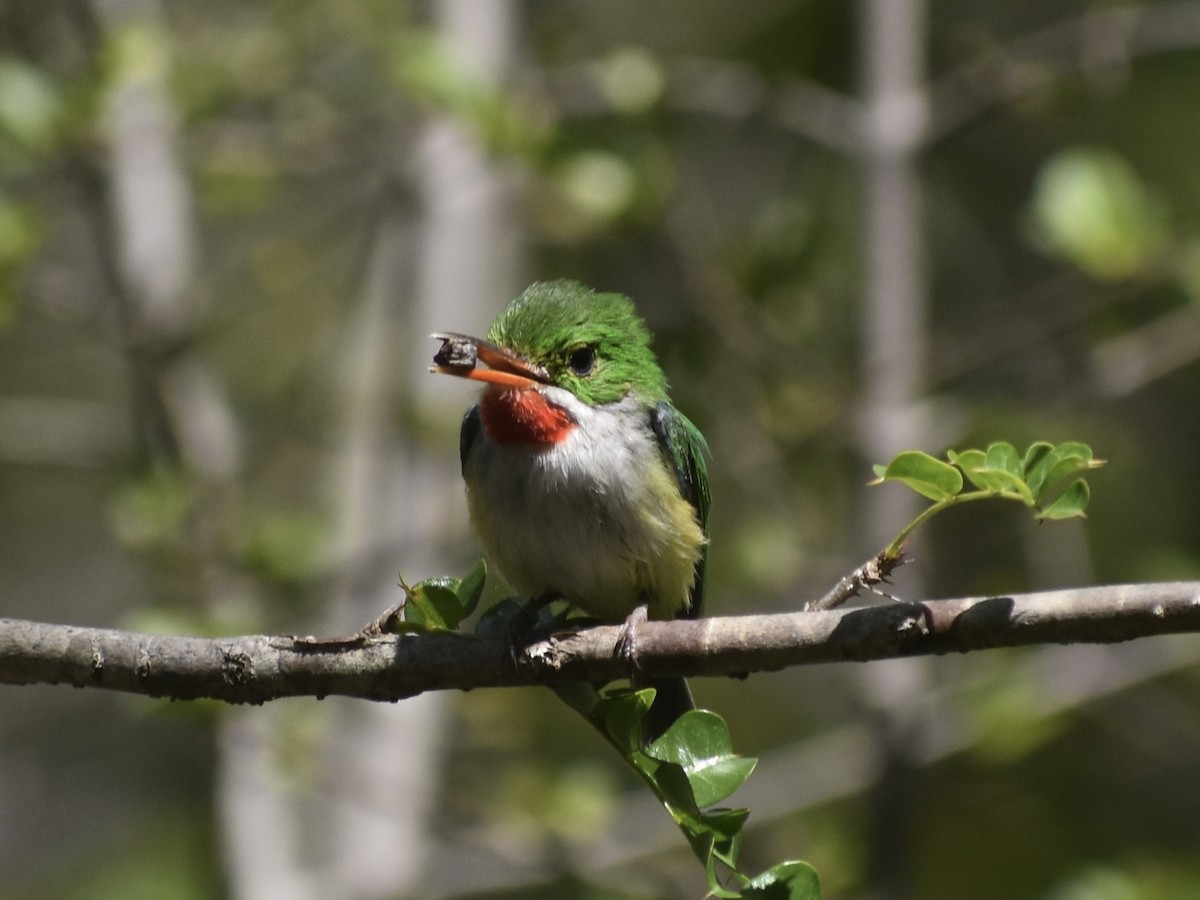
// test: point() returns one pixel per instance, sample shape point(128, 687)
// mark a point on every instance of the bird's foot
point(517, 633)
point(626, 646)
point(521, 627)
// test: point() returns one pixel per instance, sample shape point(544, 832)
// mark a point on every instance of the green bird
point(584, 483)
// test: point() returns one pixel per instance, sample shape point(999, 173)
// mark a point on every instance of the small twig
point(875, 570)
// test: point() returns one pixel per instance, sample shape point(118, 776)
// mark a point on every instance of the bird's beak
point(460, 355)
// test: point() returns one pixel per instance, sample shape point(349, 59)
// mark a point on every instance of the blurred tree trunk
point(447, 263)
point(180, 405)
point(894, 343)
point(353, 823)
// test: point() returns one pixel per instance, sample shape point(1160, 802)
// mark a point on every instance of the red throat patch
point(523, 416)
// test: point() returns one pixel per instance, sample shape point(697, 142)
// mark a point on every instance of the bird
point(584, 483)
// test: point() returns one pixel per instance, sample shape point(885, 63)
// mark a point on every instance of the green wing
point(684, 447)
point(468, 434)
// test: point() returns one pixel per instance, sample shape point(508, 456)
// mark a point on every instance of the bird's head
point(560, 334)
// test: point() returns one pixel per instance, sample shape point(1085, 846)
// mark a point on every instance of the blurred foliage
point(151, 510)
point(430, 71)
point(656, 154)
point(1091, 208)
point(166, 857)
point(31, 104)
point(20, 237)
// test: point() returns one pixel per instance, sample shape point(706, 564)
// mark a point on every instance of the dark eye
point(582, 360)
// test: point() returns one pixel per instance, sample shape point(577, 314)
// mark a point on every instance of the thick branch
point(254, 669)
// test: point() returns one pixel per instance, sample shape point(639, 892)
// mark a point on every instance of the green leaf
point(1035, 454)
point(716, 836)
point(700, 742)
point(1003, 457)
point(726, 826)
point(1070, 503)
point(1002, 482)
point(1001, 472)
point(432, 604)
point(674, 790)
point(969, 461)
point(792, 880)
point(1057, 464)
point(994, 471)
point(715, 888)
point(926, 475)
point(471, 587)
point(708, 855)
point(440, 604)
point(620, 715)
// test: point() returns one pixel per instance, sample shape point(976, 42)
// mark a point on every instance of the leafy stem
point(1045, 478)
point(896, 547)
point(691, 767)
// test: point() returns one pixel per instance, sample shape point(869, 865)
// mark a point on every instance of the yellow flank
point(666, 580)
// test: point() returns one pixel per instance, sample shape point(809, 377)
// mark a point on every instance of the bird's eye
point(582, 360)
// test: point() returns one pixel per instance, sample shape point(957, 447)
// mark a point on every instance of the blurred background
point(226, 231)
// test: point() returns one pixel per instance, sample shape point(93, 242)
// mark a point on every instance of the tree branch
point(258, 668)
point(1103, 39)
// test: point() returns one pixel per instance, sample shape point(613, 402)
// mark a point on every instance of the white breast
point(597, 518)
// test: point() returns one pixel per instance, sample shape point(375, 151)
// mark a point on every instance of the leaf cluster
point(1045, 478)
point(690, 768)
point(436, 604)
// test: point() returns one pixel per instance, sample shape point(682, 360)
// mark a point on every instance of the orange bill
point(461, 354)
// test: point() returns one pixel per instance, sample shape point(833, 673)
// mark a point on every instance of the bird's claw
point(517, 633)
point(520, 629)
point(626, 645)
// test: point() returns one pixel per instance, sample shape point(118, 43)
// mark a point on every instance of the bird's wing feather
point(468, 434)
point(684, 449)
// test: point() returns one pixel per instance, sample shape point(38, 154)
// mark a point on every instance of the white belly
point(597, 518)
